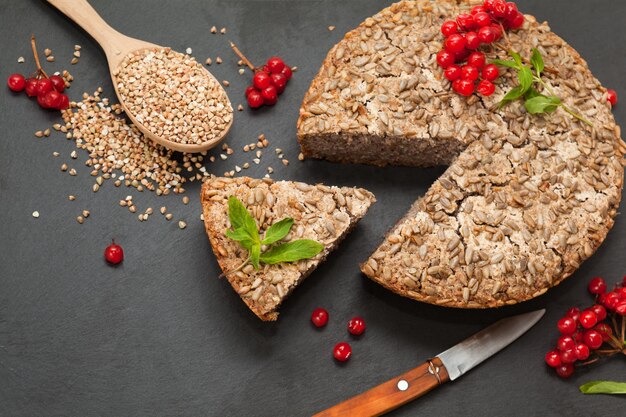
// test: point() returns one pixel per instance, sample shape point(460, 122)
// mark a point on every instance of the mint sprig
point(246, 232)
point(529, 82)
point(603, 387)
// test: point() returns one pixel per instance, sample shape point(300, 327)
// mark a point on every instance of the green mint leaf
point(514, 94)
point(532, 92)
point(255, 253)
point(503, 63)
point(525, 76)
point(241, 218)
point(537, 62)
point(241, 236)
point(291, 251)
point(277, 231)
point(542, 104)
point(603, 387)
point(517, 58)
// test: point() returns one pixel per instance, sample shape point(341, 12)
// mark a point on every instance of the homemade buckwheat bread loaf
point(526, 199)
point(322, 213)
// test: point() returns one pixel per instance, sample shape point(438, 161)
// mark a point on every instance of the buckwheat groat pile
point(173, 96)
point(527, 198)
point(321, 213)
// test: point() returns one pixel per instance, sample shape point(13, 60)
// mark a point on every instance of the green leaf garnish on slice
point(291, 251)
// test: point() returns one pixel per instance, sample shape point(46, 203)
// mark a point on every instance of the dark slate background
point(161, 335)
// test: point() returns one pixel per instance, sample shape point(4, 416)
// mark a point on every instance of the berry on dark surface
point(16, 82)
point(356, 326)
point(342, 351)
point(114, 254)
point(319, 317)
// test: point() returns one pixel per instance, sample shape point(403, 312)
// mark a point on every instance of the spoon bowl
point(117, 47)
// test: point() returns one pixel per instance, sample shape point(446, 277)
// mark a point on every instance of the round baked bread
point(526, 199)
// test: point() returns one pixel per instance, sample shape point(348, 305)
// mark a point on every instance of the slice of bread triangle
point(322, 213)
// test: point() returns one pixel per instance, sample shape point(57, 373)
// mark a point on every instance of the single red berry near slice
point(287, 72)
point(568, 356)
point(275, 65)
point(261, 80)
point(463, 87)
point(485, 88)
point(510, 11)
point(516, 22)
point(490, 72)
point(114, 254)
point(44, 85)
point(319, 317)
point(600, 311)
point(31, 87)
point(449, 27)
point(597, 285)
point(16, 82)
point(611, 97)
point(565, 370)
point(499, 8)
point(593, 339)
point(611, 300)
point(453, 72)
point(58, 82)
point(605, 331)
point(497, 31)
point(567, 326)
point(279, 81)
point(255, 99)
point(620, 308)
point(486, 34)
point(342, 351)
point(482, 19)
point(469, 72)
point(465, 21)
point(270, 95)
point(573, 312)
point(488, 4)
point(250, 89)
point(582, 351)
point(553, 358)
point(476, 59)
point(445, 58)
point(472, 40)
point(588, 319)
point(478, 9)
point(356, 326)
point(455, 43)
point(565, 343)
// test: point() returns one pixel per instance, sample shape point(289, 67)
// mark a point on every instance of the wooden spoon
point(116, 47)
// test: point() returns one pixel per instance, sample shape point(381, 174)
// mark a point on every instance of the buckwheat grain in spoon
point(170, 97)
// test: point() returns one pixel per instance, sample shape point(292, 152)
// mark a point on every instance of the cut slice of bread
point(322, 213)
point(526, 199)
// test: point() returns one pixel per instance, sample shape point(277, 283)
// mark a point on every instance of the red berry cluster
point(48, 90)
point(268, 83)
point(584, 332)
point(356, 326)
point(460, 58)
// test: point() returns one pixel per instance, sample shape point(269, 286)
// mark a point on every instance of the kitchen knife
point(446, 366)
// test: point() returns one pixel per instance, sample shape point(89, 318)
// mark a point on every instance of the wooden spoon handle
point(81, 12)
point(393, 393)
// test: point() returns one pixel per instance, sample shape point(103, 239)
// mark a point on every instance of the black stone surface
point(161, 335)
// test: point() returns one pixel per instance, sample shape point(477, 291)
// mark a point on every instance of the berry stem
point(242, 56)
point(562, 105)
point(525, 60)
point(33, 45)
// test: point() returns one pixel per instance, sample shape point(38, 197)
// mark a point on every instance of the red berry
point(465, 21)
point(255, 99)
point(565, 343)
point(499, 9)
point(43, 86)
point(472, 40)
point(486, 34)
point(597, 286)
point(567, 326)
point(469, 73)
point(342, 351)
point(261, 80)
point(449, 27)
point(461, 56)
point(453, 72)
point(573, 312)
point(620, 308)
point(476, 59)
point(58, 82)
point(568, 356)
point(482, 19)
point(593, 339)
point(114, 254)
point(52, 99)
point(319, 317)
point(445, 58)
point(553, 358)
point(16, 82)
point(270, 95)
point(578, 337)
point(31, 87)
point(356, 326)
point(455, 43)
point(588, 319)
point(582, 351)
point(497, 31)
point(510, 11)
point(463, 87)
point(605, 331)
point(287, 72)
point(41, 100)
point(279, 81)
point(611, 300)
point(275, 65)
point(516, 22)
point(478, 9)
point(250, 89)
point(611, 97)
point(488, 5)
point(65, 102)
point(600, 312)
point(565, 370)
point(490, 72)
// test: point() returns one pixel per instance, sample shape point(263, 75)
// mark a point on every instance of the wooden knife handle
point(393, 393)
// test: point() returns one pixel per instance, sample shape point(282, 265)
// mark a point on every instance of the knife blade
point(447, 366)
